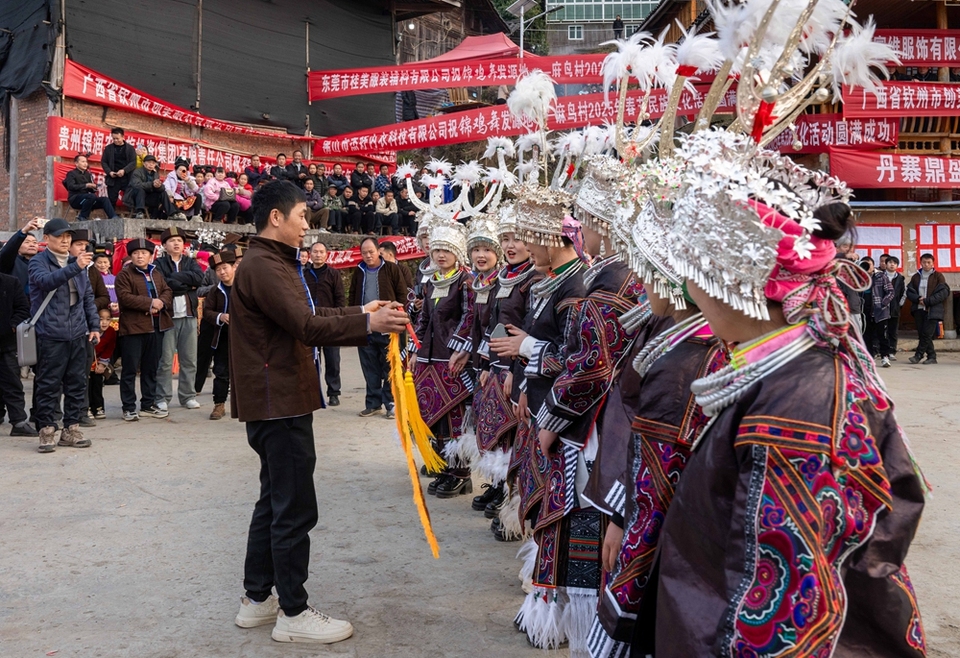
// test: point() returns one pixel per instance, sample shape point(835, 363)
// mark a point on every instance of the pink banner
point(900, 99)
point(820, 132)
point(473, 125)
point(88, 85)
point(891, 170)
point(567, 69)
point(923, 47)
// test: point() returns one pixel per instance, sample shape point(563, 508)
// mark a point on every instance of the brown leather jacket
point(272, 373)
point(134, 301)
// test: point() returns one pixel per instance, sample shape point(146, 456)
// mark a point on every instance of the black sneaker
point(914, 359)
point(366, 413)
point(931, 361)
point(154, 412)
point(23, 428)
point(454, 486)
point(99, 414)
point(334, 400)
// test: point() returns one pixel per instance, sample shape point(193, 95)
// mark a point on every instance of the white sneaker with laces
point(162, 405)
point(252, 614)
point(191, 404)
point(311, 625)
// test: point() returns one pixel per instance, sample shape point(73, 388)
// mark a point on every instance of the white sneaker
point(885, 362)
point(191, 404)
point(311, 625)
point(131, 416)
point(252, 615)
point(162, 405)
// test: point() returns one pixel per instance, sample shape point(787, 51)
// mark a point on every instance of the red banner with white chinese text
point(87, 85)
point(818, 133)
point(565, 69)
point(406, 249)
point(479, 124)
point(923, 47)
point(893, 170)
point(899, 99)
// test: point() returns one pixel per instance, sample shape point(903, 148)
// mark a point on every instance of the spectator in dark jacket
point(18, 251)
point(360, 178)
point(618, 27)
point(407, 213)
point(184, 276)
point(326, 291)
point(314, 205)
point(338, 179)
point(882, 295)
point(255, 171)
point(373, 279)
point(927, 292)
point(899, 299)
point(63, 330)
point(279, 170)
point(296, 170)
point(82, 191)
point(388, 251)
point(14, 309)
point(215, 327)
point(118, 161)
point(147, 193)
point(101, 299)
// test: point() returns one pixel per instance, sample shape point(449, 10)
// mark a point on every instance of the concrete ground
point(134, 547)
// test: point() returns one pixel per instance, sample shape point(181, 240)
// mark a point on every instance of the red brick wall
point(32, 167)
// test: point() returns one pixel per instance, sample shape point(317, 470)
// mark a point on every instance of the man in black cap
point(69, 321)
point(146, 191)
point(184, 276)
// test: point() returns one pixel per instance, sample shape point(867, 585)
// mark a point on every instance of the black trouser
point(368, 220)
point(880, 334)
point(376, 371)
point(221, 370)
point(61, 366)
point(204, 354)
point(91, 357)
point(87, 201)
point(11, 388)
point(140, 351)
point(278, 544)
point(390, 223)
point(926, 328)
point(156, 202)
point(334, 219)
point(870, 334)
point(893, 328)
point(113, 193)
point(230, 208)
point(331, 369)
point(96, 391)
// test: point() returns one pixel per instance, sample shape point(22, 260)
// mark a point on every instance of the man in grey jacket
point(63, 330)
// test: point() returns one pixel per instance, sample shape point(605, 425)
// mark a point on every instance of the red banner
point(899, 99)
point(60, 171)
point(892, 170)
point(88, 85)
point(473, 125)
point(820, 132)
point(923, 47)
point(406, 249)
point(566, 69)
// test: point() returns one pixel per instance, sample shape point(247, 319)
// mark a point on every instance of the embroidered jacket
point(444, 324)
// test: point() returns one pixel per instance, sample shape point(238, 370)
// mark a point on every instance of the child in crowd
point(146, 307)
point(102, 262)
point(101, 369)
point(216, 316)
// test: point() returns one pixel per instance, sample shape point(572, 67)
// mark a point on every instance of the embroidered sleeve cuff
point(459, 344)
point(537, 354)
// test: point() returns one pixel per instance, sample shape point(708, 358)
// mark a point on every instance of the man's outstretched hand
point(389, 319)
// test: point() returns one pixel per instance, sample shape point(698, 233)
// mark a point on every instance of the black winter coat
point(14, 309)
point(183, 282)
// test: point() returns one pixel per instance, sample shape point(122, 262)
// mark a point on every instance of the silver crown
point(540, 212)
point(483, 229)
point(598, 199)
point(507, 214)
point(452, 237)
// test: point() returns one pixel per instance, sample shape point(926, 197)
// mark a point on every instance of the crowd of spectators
point(367, 200)
point(167, 302)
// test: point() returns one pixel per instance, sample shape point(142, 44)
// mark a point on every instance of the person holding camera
point(63, 330)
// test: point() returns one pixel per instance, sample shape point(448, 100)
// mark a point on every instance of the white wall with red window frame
point(876, 239)
point(943, 241)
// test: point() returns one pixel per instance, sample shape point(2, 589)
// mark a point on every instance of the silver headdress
point(483, 229)
point(452, 237)
point(507, 216)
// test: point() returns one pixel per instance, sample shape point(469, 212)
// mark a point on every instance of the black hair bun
point(836, 219)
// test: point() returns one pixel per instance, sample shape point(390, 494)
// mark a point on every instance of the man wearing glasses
point(182, 188)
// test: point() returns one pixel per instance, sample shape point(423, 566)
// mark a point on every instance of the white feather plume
point(699, 50)
point(441, 167)
point(617, 64)
point(827, 18)
point(498, 175)
point(406, 170)
point(532, 98)
point(570, 144)
point(527, 142)
point(857, 57)
point(665, 56)
point(496, 143)
point(727, 20)
point(468, 173)
point(433, 181)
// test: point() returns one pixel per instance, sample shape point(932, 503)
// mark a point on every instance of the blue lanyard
point(313, 311)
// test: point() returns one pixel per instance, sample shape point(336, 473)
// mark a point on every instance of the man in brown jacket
point(146, 306)
point(274, 330)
